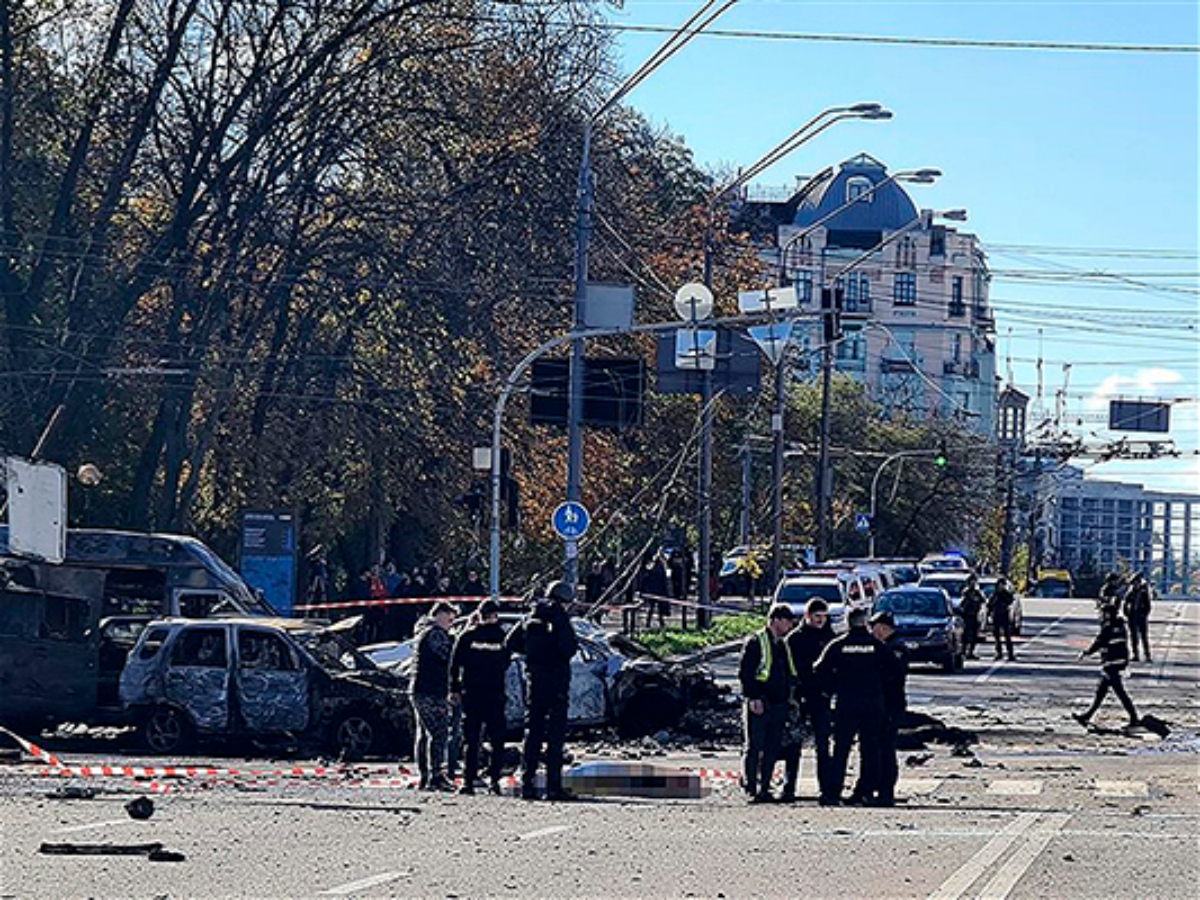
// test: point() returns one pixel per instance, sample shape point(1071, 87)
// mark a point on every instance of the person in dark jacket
point(1113, 644)
point(1000, 610)
point(477, 677)
point(768, 676)
point(1138, 602)
point(973, 601)
point(430, 689)
point(547, 639)
point(654, 586)
point(806, 643)
point(895, 702)
point(853, 665)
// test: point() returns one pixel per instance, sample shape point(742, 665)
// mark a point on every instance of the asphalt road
point(1041, 809)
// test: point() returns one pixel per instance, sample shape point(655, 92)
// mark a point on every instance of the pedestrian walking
point(654, 586)
point(1138, 602)
point(806, 642)
point(895, 704)
point(477, 677)
point(547, 639)
point(1000, 606)
point(971, 606)
point(431, 695)
point(1113, 644)
point(768, 676)
point(853, 665)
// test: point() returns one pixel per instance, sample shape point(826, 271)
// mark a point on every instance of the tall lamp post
point(824, 493)
point(699, 20)
point(806, 132)
point(903, 454)
point(914, 176)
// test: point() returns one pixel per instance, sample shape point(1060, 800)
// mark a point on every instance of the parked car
point(953, 583)
point(639, 695)
point(839, 588)
point(927, 623)
point(987, 584)
point(267, 679)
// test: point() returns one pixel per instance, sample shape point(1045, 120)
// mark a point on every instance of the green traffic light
point(940, 461)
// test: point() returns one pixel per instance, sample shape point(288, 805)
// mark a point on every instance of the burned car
point(609, 686)
point(262, 679)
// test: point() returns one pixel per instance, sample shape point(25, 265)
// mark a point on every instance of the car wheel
point(166, 730)
point(355, 735)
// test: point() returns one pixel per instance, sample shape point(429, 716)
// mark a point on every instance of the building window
point(905, 293)
point(956, 347)
point(804, 286)
point(856, 292)
point(906, 255)
point(958, 308)
point(857, 187)
point(937, 240)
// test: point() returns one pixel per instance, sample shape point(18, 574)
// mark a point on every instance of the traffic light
point(941, 460)
point(831, 313)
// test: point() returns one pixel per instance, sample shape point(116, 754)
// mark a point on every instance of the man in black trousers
point(477, 676)
point(547, 639)
point(895, 701)
point(768, 676)
point(853, 665)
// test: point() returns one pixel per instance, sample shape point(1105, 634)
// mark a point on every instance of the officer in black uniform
point(806, 643)
point(768, 675)
point(973, 601)
point(853, 665)
point(1000, 606)
point(1113, 644)
point(1138, 602)
point(547, 639)
point(895, 701)
point(477, 676)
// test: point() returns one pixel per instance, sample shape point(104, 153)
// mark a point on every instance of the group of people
point(999, 608)
point(468, 673)
point(802, 681)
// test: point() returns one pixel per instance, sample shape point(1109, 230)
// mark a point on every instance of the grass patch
point(673, 641)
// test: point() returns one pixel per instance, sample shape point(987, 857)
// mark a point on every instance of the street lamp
point(824, 494)
point(903, 454)
point(825, 119)
point(695, 24)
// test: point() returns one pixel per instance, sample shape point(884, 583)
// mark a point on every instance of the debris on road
point(72, 792)
point(140, 808)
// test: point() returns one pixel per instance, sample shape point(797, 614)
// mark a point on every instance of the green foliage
point(675, 641)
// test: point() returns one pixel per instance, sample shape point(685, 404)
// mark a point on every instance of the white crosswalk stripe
point(1122, 789)
point(1015, 787)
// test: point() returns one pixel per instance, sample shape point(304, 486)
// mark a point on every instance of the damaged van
point(263, 680)
point(66, 628)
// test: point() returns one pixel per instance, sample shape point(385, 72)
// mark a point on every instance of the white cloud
point(1146, 382)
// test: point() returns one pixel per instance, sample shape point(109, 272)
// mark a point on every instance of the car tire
point(165, 730)
point(354, 735)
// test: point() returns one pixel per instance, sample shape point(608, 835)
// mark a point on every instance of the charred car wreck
point(264, 680)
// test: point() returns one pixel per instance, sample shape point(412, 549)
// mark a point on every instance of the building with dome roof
point(918, 329)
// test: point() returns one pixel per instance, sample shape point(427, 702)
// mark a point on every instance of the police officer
point(1000, 608)
point(895, 702)
point(477, 676)
point(768, 675)
point(853, 665)
point(1113, 644)
point(1137, 610)
point(430, 691)
point(547, 639)
point(806, 643)
point(973, 601)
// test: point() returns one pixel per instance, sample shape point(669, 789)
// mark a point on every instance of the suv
point(260, 678)
point(927, 623)
point(953, 583)
point(839, 588)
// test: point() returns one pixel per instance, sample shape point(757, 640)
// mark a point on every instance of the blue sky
point(1061, 156)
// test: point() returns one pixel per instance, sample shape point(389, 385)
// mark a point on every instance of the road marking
point(1018, 864)
point(364, 883)
point(1174, 630)
point(1122, 789)
point(1015, 787)
point(918, 785)
point(1000, 663)
point(958, 883)
point(91, 825)
point(543, 832)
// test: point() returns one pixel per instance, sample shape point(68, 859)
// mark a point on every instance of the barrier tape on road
point(402, 601)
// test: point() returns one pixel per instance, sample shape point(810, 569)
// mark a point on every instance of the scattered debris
point(1156, 725)
point(962, 750)
point(72, 792)
point(918, 760)
point(140, 808)
point(99, 849)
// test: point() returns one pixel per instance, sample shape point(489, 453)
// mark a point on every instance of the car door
point(196, 677)
point(589, 686)
point(271, 681)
